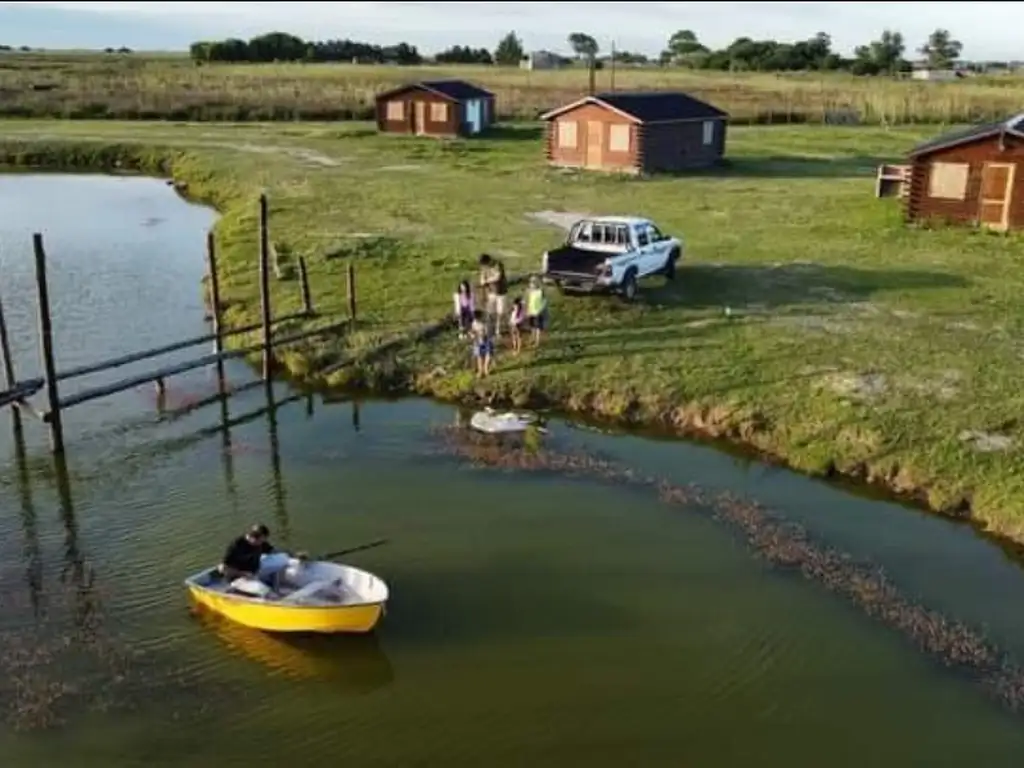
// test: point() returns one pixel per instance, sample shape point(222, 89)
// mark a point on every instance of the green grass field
point(854, 342)
point(133, 86)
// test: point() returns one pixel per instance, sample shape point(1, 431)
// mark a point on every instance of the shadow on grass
point(796, 167)
point(707, 285)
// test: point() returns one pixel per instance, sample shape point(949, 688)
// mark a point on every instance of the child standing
point(483, 346)
point(536, 309)
point(516, 320)
point(464, 307)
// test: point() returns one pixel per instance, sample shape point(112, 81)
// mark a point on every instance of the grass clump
point(853, 345)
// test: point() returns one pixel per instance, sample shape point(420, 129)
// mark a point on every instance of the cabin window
point(438, 112)
point(709, 133)
point(641, 237)
point(396, 110)
point(618, 138)
point(621, 236)
point(948, 181)
point(567, 134)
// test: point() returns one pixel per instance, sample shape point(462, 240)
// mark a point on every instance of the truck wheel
point(630, 289)
point(670, 266)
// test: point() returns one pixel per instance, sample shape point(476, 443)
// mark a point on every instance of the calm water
point(535, 620)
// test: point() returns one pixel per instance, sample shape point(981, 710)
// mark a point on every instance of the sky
point(635, 26)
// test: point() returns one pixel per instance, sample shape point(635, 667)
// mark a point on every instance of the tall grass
point(139, 86)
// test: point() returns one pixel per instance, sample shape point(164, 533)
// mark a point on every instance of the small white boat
point(493, 423)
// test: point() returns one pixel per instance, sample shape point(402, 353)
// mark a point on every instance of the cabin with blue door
point(440, 108)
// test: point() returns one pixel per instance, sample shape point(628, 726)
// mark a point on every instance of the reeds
point(782, 543)
point(140, 87)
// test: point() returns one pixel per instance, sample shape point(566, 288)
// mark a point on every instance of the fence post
point(307, 297)
point(218, 341)
point(8, 364)
point(351, 290)
point(46, 346)
point(268, 362)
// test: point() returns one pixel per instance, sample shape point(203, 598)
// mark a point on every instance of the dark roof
point(649, 106)
point(1013, 125)
point(458, 90)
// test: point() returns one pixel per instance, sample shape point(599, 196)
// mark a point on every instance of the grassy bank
point(136, 86)
point(854, 345)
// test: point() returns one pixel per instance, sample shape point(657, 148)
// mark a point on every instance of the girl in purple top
point(464, 307)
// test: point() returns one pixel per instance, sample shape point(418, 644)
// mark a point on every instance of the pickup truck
point(611, 253)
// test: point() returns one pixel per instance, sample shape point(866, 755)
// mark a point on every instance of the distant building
point(936, 75)
point(970, 176)
point(641, 133)
point(445, 108)
point(543, 60)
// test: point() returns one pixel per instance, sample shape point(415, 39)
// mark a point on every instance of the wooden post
point(351, 290)
point(268, 362)
point(46, 346)
point(307, 298)
point(8, 365)
point(218, 340)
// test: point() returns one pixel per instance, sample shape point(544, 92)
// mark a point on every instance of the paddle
point(350, 550)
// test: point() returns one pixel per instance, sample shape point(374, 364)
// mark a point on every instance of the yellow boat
point(306, 596)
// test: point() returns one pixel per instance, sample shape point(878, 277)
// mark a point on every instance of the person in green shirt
point(536, 309)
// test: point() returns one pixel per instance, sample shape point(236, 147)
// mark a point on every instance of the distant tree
point(509, 51)
point(280, 46)
point(583, 45)
point(884, 55)
point(941, 50)
point(684, 48)
point(628, 57)
point(463, 54)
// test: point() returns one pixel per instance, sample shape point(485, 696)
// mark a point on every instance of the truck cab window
point(641, 237)
point(655, 235)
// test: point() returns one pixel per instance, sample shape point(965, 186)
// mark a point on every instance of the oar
point(350, 550)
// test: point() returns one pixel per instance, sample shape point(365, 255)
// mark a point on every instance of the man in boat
point(242, 557)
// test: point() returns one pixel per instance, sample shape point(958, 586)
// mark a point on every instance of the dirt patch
point(986, 442)
point(858, 386)
point(401, 168)
point(561, 219)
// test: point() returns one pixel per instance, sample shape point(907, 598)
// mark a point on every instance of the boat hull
point(357, 619)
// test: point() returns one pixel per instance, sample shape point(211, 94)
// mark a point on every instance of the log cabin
point(641, 133)
point(972, 176)
point(441, 108)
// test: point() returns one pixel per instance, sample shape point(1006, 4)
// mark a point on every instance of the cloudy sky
point(637, 26)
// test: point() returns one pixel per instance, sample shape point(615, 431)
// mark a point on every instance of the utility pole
point(612, 88)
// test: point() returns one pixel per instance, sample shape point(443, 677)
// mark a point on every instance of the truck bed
point(569, 260)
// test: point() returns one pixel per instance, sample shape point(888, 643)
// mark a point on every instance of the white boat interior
point(285, 580)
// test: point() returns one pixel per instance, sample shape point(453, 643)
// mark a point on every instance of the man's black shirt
point(243, 555)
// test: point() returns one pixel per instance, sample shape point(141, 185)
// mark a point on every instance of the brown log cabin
point(641, 133)
point(441, 108)
point(972, 176)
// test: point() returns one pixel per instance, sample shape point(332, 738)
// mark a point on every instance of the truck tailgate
point(568, 260)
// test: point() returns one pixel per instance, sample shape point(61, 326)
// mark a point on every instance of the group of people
point(483, 324)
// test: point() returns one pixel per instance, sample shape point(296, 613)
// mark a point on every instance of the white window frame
point(948, 181)
point(619, 138)
point(708, 129)
point(568, 134)
point(396, 110)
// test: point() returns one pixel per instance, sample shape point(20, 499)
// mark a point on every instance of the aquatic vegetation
point(780, 542)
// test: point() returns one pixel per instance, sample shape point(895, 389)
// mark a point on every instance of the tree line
point(886, 55)
point(280, 46)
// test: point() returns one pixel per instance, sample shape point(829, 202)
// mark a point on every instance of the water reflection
point(277, 482)
point(353, 664)
point(29, 520)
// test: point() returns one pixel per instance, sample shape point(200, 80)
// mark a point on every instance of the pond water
point(535, 619)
